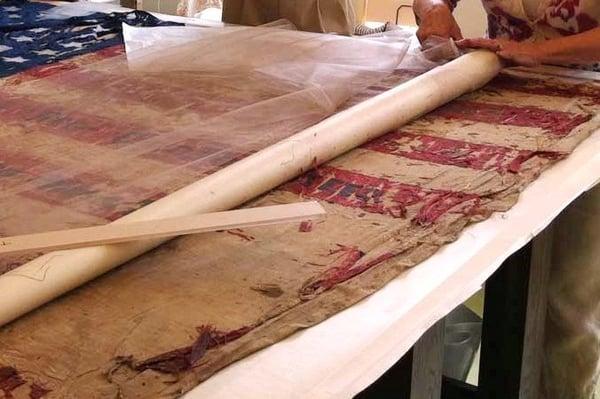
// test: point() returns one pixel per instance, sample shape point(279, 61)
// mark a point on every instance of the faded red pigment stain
point(557, 123)
point(202, 155)
point(17, 168)
point(379, 195)
point(188, 357)
point(130, 88)
point(397, 77)
point(10, 379)
point(306, 226)
point(37, 116)
point(458, 153)
point(217, 161)
point(405, 74)
point(197, 94)
point(92, 194)
point(187, 151)
point(546, 87)
point(350, 263)
point(241, 234)
point(38, 391)
point(45, 71)
point(434, 208)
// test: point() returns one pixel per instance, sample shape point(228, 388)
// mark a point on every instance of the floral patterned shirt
point(535, 20)
point(511, 19)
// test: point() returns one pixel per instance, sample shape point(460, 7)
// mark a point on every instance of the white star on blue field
point(28, 38)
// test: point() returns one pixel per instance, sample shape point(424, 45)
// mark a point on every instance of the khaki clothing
point(328, 16)
point(572, 350)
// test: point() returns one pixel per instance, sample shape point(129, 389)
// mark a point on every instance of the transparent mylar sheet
point(96, 142)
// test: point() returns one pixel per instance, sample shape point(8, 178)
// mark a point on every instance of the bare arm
point(434, 18)
point(582, 48)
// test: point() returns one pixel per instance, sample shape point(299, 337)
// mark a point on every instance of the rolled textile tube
point(49, 276)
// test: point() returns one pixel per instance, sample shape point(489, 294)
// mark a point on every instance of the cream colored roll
point(49, 276)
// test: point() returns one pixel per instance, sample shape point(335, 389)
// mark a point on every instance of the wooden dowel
point(125, 232)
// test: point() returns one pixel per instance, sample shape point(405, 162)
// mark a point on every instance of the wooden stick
point(125, 232)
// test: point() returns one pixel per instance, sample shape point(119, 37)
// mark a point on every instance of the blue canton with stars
point(28, 39)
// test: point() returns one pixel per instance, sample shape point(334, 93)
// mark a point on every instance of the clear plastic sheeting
point(80, 9)
point(438, 48)
point(419, 58)
point(165, 37)
point(309, 75)
point(101, 140)
point(327, 68)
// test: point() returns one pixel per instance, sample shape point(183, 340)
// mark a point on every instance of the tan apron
point(329, 16)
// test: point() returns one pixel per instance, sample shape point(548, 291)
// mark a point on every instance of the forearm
point(582, 48)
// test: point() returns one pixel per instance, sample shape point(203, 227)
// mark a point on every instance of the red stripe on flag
point(557, 123)
point(53, 119)
point(192, 150)
point(350, 263)
point(17, 168)
point(173, 98)
point(379, 195)
point(458, 153)
point(91, 194)
point(545, 87)
point(88, 193)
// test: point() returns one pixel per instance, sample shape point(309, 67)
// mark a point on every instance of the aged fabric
point(164, 322)
point(329, 16)
point(29, 39)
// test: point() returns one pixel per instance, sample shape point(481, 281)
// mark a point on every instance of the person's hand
point(438, 21)
point(519, 53)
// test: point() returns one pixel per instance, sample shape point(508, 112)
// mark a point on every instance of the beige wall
point(385, 10)
point(469, 13)
point(471, 18)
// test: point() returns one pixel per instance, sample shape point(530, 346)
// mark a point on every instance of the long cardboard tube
point(47, 277)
